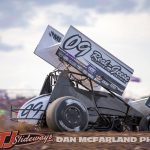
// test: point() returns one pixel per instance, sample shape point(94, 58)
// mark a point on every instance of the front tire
point(67, 114)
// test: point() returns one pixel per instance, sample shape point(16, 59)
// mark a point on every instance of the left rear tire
point(67, 114)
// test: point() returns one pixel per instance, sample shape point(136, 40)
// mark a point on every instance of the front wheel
point(67, 114)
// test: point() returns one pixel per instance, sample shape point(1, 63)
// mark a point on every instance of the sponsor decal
point(115, 70)
point(55, 36)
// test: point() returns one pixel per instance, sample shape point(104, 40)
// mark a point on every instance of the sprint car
point(71, 98)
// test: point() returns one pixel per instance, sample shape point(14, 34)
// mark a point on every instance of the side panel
point(141, 105)
point(32, 110)
point(94, 61)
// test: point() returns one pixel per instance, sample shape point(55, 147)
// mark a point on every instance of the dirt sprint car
point(71, 98)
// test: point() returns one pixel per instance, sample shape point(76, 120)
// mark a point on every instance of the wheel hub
point(72, 116)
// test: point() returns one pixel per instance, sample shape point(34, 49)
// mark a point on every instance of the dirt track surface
point(6, 125)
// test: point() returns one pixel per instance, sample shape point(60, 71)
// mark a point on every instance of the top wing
point(94, 61)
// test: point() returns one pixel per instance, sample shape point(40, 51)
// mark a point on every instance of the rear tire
point(145, 123)
point(67, 114)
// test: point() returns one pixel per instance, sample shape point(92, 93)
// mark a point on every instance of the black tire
point(145, 123)
point(67, 114)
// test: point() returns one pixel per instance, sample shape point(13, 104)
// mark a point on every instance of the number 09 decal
point(76, 41)
point(34, 108)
